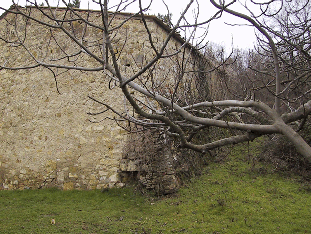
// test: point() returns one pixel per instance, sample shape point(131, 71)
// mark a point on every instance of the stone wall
point(46, 136)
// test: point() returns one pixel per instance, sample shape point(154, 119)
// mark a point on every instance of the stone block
point(114, 178)
point(120, 185)
point(101, 186)
point(103, 173)
point(73, 175)
point(93, 177)
point(66, 169)
point(99, 128)
point(114, 169)
point(51, 166)
point(82, 140)
point(103, 178)
point(131, 166)
point(12, 172)
point(23, 171)
point(60, 177)
point(68, 186)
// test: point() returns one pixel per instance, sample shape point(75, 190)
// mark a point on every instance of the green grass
point(230, 197)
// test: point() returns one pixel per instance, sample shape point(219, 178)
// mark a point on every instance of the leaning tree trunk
point(301, 145)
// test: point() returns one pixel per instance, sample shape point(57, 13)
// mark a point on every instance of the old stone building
point(47, 137)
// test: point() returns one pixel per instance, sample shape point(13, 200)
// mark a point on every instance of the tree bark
point(301, 145)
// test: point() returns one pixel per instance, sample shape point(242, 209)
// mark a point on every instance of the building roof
point(154, 18)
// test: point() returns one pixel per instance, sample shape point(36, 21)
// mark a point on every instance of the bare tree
point(171, 101)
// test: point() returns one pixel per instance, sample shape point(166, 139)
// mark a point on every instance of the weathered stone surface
point(68, 186)
point(72, 175)
point(129, 165)
point(114, 178)
point(152, 160)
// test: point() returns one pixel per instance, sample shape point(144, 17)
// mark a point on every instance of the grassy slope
point(228, 198)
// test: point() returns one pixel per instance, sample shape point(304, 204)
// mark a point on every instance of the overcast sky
point(219, 32)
